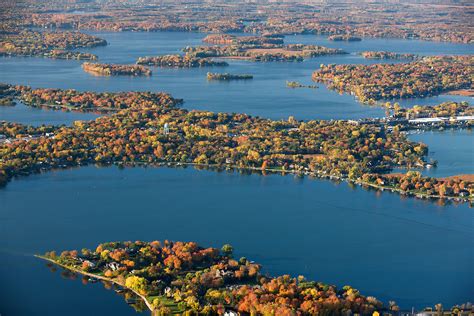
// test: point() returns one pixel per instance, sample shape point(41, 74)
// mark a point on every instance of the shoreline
point(314, 174)
point(462, 92)
point(92, 275)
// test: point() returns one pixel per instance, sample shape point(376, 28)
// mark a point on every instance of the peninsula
point(56, 45)
point(185, 278)
point(263, 53)
point(178, 277)
point(387, 55)
point(361, 152)
point(426, 77)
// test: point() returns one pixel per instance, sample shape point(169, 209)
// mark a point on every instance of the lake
point(453, 149)
point(20, 113)
point(415, 252)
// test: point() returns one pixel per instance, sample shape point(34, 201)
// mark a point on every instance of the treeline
point(136, 134)
point(422, 78)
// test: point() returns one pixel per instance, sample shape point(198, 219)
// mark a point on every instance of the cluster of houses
point(6, 140)
point(457, 121)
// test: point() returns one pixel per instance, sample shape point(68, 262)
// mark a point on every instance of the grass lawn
point(165, 301)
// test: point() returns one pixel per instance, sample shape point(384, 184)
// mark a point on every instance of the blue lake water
point(415, 252)
point(453, 149)
point(28, 115)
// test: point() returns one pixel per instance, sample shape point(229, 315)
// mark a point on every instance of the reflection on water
point(128, 296)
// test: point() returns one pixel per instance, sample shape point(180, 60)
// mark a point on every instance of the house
point(464, 193)
point(90, 263)
point(113, 266)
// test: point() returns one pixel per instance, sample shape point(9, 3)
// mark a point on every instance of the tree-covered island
point(179, 61)
point(115, 69)
point(227, 76)
point(296, 84)
point(344, 37)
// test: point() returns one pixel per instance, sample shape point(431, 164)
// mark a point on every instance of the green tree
point(227, 249)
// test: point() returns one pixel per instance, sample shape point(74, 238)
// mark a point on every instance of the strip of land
point(151, 129)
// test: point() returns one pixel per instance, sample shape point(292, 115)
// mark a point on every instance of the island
point(387, 55)
point(7, 101)
point(154, 130)
point(296, 84)
point(227, 76)
point(344, 37)
point(178, 277)
point(179, 61)
point(429, 76)
point(115, 69)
